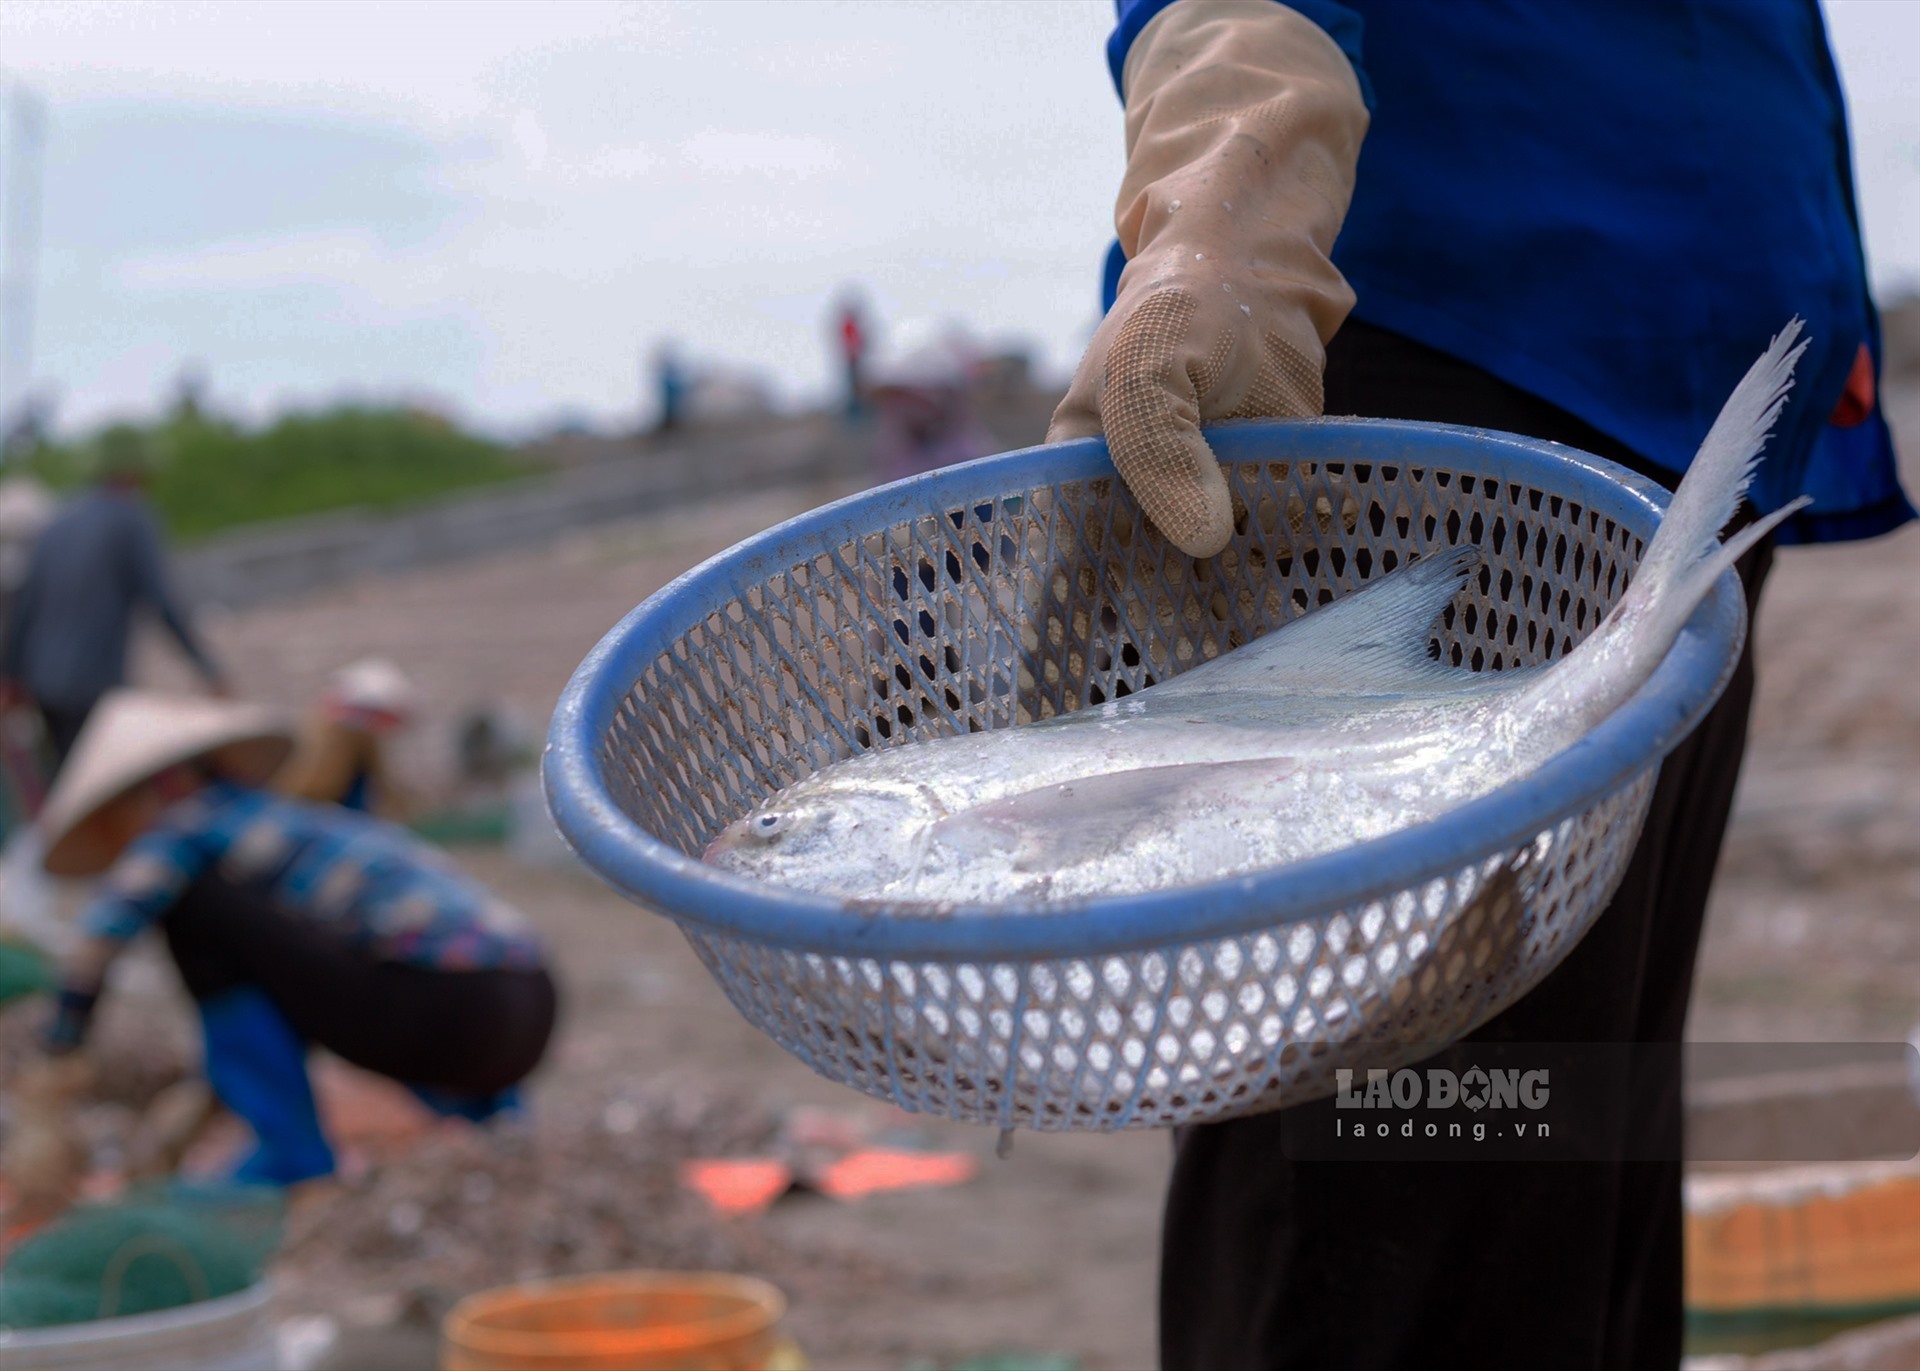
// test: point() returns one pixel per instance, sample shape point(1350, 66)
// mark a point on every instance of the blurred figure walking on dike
point(340, 756)
point(98, 561)
point(291, 924)
point(850, 332)
point(670, 388)
point(924, 406)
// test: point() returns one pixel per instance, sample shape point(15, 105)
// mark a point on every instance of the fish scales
point(1334, 729)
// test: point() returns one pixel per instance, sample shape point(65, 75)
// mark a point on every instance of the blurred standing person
point(850, 332)
point(340, 756)
point(98, 562)
point(670, 388)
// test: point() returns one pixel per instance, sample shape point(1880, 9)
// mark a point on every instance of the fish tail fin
point(1686, 555)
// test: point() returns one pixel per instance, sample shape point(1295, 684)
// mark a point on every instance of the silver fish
point(1331, 730)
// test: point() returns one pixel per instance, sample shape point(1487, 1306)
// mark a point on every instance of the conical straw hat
point(134, 735)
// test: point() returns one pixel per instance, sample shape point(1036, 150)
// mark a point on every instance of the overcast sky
point(500, 206)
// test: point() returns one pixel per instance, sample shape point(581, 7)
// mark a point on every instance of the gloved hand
point(1244, 122)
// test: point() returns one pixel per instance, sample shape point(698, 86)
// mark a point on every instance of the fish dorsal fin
point(1372, 642)
point(1062, 825)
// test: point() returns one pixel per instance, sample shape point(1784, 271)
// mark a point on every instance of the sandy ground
point(1810, 937)
point(1811, 934)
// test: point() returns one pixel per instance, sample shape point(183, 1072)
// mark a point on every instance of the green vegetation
point(206, 474)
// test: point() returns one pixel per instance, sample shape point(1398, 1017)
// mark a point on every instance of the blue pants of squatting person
point(269, 985)
point(1274, 1264)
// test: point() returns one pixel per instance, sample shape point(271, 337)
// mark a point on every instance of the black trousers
point(1271, 1263)
point(470, 1031)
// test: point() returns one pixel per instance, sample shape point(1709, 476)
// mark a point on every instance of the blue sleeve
point(150, 570)
point(1110, 269)
point(148, 877)
point(1342, 25)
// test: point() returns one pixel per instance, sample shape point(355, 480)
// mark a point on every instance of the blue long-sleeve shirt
point(98, 562)
point(1613, 205)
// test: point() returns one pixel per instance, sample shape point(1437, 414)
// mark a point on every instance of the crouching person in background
point(292, 924)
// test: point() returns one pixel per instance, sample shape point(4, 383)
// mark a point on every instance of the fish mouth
point(911, 806)
point(727, 845)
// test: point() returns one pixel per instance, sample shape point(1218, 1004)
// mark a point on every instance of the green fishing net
point(154, 1248)
point(24, 969)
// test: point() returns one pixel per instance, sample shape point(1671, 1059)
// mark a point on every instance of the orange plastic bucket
point(618, 1321)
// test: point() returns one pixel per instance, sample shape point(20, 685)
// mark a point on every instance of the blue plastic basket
point(1020, 586)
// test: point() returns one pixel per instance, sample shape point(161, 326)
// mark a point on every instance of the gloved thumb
point(1078, 414)
point(1150, 409)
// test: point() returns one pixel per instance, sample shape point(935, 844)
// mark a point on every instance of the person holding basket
point(1577, 222)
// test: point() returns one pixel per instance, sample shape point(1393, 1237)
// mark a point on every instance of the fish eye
point(769, 826)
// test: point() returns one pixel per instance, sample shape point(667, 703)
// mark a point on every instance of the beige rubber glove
point(1244, 122)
